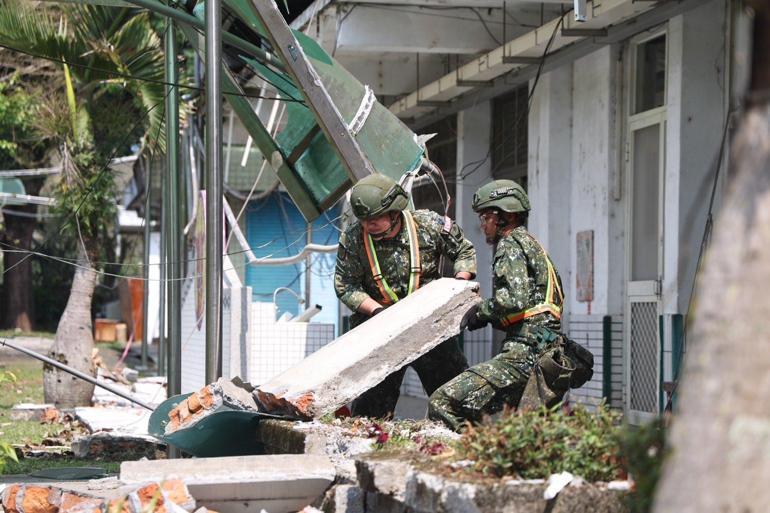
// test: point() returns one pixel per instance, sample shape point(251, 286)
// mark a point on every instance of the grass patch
point(36, 334)
point(27, 465)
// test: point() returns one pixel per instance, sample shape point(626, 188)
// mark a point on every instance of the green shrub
point(537, 443)
point(643, 449)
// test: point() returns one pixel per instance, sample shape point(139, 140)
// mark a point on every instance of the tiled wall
point(276, 346)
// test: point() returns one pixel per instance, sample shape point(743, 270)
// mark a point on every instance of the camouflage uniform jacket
point(520, 282)
point(354, 281)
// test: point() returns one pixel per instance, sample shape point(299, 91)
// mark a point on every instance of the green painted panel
point(12, 186)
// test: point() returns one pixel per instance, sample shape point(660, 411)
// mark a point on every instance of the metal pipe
point(214, 225)
point(173, 200)
point(161, 368)
point(233, 40)
point(76, 373)
point(146, 261)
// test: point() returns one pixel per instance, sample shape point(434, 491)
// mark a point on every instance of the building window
point(442, 151)
point(509, 135)
point(650, 75)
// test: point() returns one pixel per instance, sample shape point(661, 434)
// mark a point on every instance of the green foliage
point(537, 443)
point(18, 145)
point(7, 453)
point(643, 449)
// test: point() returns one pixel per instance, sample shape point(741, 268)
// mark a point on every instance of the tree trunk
point(720, 438)
point(16, 296)
point(73, 344)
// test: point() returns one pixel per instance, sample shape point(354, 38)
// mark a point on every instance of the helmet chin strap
point(394, 224)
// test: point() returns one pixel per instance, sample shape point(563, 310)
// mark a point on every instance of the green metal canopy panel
point(317, 175)
point(226, 432)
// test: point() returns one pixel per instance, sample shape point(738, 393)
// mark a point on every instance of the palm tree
point(99, 51)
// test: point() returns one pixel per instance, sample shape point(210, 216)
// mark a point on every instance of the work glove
point(377, 310)
point(471, 320)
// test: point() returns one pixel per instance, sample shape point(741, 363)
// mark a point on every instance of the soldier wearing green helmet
point(386, 255)
point(526, 303)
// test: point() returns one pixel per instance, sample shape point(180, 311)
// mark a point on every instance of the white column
point(474, 169)
point(549, 166)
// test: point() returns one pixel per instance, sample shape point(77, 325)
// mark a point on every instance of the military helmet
point(506, 195)
point(375, 195)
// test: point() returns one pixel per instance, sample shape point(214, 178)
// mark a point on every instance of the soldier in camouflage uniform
point(376, 267)
point(526, 303)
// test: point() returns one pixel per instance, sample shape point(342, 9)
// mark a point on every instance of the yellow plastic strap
point(415, 269)
point(548, 307)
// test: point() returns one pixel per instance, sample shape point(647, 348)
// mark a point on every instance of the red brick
point(194, 403)
point(118, 506)
point(148, 494)
point(74, 503)
point(184, 412)
point(206, 397)
point(176, 491)
point(9, 498)
point(39, 499)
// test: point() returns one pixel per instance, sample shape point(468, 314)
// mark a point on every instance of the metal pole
point(76, 373)
point(147, 235)
point(161, 368)
point(308, 263)
point(174, 240)
point(214, 228)
point(173, 200)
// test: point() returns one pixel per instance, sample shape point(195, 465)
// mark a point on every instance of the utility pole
point(214, 211)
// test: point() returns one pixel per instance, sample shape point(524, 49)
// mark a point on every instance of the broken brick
point(176, 491)
point(118, 506)
point(74, 503)
point(184, 411)
point(50, 415)
point(38, 499)
point(206, 397)
point(9, 498)
point(194, 403)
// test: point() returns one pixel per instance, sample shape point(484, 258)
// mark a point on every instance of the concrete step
point(240, 484)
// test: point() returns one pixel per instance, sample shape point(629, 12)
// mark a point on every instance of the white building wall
point(574, 186)
point(697, 110)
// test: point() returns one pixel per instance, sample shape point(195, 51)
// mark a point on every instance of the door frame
point(648, 290)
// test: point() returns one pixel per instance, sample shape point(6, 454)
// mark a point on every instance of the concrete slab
point(242, 484)
point(363, 357)
point(29, 411)
point(129, 421)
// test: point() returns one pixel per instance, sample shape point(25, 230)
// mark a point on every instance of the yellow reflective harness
point(388, 296)
point(549, 306)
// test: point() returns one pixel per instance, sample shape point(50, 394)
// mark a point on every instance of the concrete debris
point(394, 485)
point(234, 395)
point(366, 355)
point(151, 390)
point(29, 411)
point(119, 420)
point(242, 484)
point(105, 444)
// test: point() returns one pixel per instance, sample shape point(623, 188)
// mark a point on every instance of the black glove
point(471, 320)
point(376, 311)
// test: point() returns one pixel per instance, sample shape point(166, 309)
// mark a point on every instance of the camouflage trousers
point(486, 388)
point(434, 368)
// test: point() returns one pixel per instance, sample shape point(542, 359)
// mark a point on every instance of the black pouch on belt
point(583, 360)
